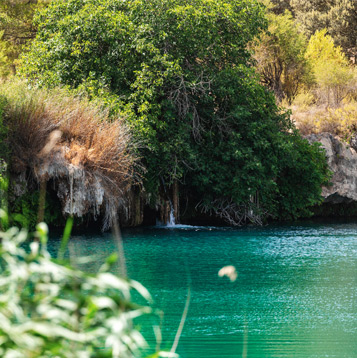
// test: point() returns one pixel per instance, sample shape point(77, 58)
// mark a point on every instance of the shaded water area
point(295, 296)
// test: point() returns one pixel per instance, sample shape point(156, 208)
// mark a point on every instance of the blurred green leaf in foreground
point(49, 309)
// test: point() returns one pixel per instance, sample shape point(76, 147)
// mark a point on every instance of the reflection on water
point(295, 295)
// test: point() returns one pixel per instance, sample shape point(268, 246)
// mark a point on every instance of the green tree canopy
point(180, 73)
point(279, 53)
point(343, 26)
point(339, 17)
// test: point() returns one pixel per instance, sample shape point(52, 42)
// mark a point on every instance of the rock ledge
point(342, 161)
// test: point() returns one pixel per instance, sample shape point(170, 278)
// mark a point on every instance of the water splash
point(172, 221)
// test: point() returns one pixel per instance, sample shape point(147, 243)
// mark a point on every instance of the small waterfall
point(171, 222)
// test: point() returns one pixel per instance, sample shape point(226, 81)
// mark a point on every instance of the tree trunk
point(138, 207)
point(175, 201)
point(164, 211)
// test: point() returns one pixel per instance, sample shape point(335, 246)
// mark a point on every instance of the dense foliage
point(3, 156)
point(308, 58)
point(279, 53)
point(339, 17)
point(180, 73)
point(16, 30)
point(328, 102)
point(3, 128)
point(332, 73)
point(49, 309)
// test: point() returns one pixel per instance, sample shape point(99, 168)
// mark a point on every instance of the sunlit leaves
point(334, 76)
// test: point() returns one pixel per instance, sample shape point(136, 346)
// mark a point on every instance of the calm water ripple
point(295, 296)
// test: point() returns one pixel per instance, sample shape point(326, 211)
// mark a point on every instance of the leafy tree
point(339, 17)
point(16, 30)
point(180, 73)
point(279, 7)
point(333, 74)
point(343, 26)
point(280, 56)
point(312, 15)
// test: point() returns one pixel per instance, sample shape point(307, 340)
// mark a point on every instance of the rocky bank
point(342, 161)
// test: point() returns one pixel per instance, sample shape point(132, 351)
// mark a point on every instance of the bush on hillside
point(340, 121)
point(334, 78)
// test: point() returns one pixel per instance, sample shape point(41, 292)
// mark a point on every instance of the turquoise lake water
point(295, 295)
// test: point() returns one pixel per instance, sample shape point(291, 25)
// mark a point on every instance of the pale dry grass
point(340, 121)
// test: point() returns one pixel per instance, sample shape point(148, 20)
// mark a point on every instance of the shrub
point(304, 100)
point(297, 197)
point(334, 78)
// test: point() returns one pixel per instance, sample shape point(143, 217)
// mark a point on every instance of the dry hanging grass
point(58, 137)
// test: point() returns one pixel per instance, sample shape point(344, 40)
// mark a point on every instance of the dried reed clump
point(58, 137)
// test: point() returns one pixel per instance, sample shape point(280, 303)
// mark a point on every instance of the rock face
point(342, 161)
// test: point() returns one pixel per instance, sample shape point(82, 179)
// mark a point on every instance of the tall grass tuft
point(56, 136)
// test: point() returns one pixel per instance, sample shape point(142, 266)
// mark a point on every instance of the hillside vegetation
point(201, 85)
point(307, 58)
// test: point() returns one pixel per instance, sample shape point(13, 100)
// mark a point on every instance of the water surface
point(295, 296)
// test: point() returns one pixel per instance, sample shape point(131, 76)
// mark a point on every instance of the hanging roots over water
point(236, 214)
point(55, 136)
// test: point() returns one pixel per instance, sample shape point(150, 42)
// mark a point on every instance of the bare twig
point(183, 97)
point(236, 214)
